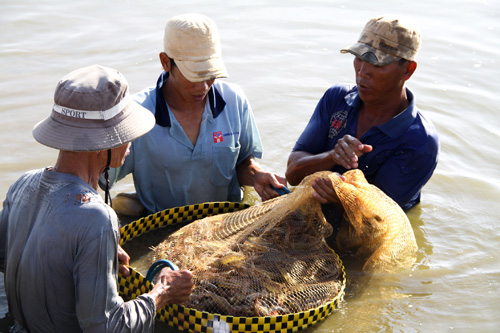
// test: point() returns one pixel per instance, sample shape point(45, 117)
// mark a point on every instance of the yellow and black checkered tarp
point(177, 215)
point(191, 320)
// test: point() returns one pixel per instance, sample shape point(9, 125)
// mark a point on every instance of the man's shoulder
point(341, 89)
point(421, 135)
point(35, 173)
point(146, 98)
point(89, 213)
point(26, 179)
point(423, 124)
point(228, 88)
point(426, 129)
point(338, 97)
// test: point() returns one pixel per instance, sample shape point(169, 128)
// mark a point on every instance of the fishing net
point(374, 227)
point(269, 259)
point(272, 258)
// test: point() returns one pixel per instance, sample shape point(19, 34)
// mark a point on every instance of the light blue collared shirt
point(170, 171)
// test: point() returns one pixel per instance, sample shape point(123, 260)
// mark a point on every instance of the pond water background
point(285, 54)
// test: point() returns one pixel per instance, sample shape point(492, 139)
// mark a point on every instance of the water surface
point(285, 54)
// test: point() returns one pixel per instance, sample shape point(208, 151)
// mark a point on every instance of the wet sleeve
point(314, 137)
point(3, 235)
point(249, 140)
point(4, 220)
point(99, 307)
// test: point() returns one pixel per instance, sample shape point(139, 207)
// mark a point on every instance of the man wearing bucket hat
point(59, 241)
point(205, 141)
point(375, 125)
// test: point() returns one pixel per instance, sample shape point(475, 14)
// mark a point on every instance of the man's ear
point(165, 61)
point(412, 66)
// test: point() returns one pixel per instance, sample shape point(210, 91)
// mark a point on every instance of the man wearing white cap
point(375, 125)
point(205, 141)
point(59, 241)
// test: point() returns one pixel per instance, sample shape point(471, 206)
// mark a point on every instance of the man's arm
point(325, 193)
point(250, 173)
point(301, 164)
point(3, 235)
point(123, 261)
point(346, 153)
point(172, 287)
point(98, 305)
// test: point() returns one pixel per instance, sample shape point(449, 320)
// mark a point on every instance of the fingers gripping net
point(269, 259)
point(374, 227)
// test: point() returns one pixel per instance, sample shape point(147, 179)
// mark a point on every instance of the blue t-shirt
point(405, 149)
point(170, 171)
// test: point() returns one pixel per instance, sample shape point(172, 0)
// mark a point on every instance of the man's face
point(378, 83)
point(118, 155)
point(191, 92)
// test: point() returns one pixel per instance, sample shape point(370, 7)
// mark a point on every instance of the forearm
point(171, 287)
point(133, 316)
point(301, 164)
point(158, 294)
point(251, 174)
point(247, 170)
point(98, 305)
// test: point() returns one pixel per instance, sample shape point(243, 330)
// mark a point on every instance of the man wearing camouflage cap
point(374, 125)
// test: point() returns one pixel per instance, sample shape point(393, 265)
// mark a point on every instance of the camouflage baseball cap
point(384, 41)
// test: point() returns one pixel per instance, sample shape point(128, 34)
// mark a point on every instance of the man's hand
point(324, 192)
point(347, 151)
point(264, 180)
point(251, 174)
point(172, 287)
point(123, 261)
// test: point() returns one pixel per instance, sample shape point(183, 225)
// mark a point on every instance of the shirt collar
point(215, 100)
point(397, 125)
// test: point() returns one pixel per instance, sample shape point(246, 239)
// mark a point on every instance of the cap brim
point(370, 54)
point(59, 132)
point(199, 71)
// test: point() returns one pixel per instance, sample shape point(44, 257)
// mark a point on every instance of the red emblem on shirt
point(337, 123)
point(218, 137)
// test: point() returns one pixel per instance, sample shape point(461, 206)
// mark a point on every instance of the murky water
point(285, 54)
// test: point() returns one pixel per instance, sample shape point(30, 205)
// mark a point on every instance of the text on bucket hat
point(386, 40)
point(192, 40)
point(93, 111)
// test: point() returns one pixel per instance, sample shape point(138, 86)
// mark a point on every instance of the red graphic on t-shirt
point(218, 137)
point(337, 123)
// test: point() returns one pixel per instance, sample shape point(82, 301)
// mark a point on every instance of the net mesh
point(272, 258)
point(374, 227)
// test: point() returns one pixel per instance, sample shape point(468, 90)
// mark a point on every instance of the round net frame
point(306, 284)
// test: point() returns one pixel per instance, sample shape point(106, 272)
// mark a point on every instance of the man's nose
point(364, 68)
point(203, 85)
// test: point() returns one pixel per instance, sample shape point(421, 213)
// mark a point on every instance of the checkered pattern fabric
point(191, 320)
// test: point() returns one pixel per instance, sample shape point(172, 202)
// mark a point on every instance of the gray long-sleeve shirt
point(58, 251)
